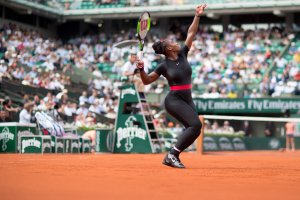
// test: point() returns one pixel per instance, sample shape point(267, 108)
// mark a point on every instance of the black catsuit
point(179, 103)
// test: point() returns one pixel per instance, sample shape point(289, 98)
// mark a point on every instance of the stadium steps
point(17, 87)
point(2, 95)
point(285, 53)
point(16, 98)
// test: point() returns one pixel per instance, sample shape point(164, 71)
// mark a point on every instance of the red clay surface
point(241, 175)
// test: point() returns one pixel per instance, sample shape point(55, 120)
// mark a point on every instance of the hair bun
point(158, 47)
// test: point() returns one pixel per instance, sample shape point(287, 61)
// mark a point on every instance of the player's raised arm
point(194, 26)
point(146, 78)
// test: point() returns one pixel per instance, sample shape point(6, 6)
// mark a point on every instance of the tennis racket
point(126, 43)
point(143, 26)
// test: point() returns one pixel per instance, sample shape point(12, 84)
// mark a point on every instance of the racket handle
point(140, 55)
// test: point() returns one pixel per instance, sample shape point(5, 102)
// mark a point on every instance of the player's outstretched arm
point(194, 26)
point(146, 78)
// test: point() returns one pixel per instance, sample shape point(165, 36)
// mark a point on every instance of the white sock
point(176, 149)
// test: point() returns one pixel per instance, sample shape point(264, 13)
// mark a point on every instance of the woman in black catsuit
point(178, 102)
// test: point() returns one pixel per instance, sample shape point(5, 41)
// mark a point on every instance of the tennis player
point(176, 69)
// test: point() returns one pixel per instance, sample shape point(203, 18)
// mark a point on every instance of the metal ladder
point(148, 117)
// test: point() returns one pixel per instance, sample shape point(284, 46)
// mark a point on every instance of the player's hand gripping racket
point(142, 29)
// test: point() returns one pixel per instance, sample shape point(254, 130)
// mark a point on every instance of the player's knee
point(197, 125)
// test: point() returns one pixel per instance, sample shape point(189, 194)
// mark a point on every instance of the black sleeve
point(160, 69)
point(185, 50)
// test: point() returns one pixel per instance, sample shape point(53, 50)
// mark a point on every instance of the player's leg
point(91, 135)
point(287, 143)
point(184, 113)
point(293, 143)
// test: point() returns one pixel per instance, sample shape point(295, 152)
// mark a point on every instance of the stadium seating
point(87, 4)
point(288, 74)
point(214, 59)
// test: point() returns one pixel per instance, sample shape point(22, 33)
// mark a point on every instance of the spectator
point(25, 99)
point(3, 114)
point(270, 129)
point(90, 119)
point(82, 110)
point(296, 56)
point(68, 109)
point(52, 110)
point(227, 128)
point(214, 93)
point(97, 73)
point(83, 97)
point(60, 94)
point(49, 98)
point(36, 100)
point(96, 107)
point(207, 126)
point(3, 68)
point(290, 131)
point(93, 97)
point(231, 94)
point(281, 62)
point(129, 70)
point(246, 128)
point(255, 94)
point(215, 128)
point(25, 114)
point(10, 111)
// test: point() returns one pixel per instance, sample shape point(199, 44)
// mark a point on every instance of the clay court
point(241, 175)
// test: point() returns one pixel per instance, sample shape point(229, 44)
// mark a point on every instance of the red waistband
point(181, 87)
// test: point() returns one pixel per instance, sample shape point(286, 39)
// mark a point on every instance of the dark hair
point(159, 47)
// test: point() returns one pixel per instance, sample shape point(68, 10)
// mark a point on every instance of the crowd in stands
point(285, 77)
point(32, 60)
point(233, 65)
point(224, 66)
point(92, 4)
point(215, 128)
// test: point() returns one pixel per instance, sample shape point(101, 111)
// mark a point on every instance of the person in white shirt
point(97, 73)
point(227, 128)
point(60, 94)
point(82, 110)
point(255, 94)
point(130, 66)
point(3, 67)
point(83, 97)
point(281, 62)
point(130, 70)
point(96, 107)
point(25, 114)
point(93, 97)
point(68, 109)
point(48, 65)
